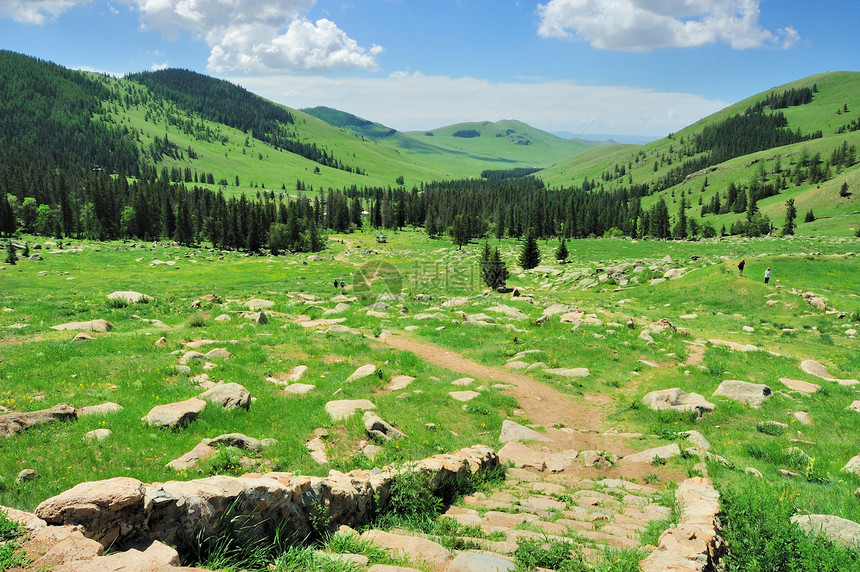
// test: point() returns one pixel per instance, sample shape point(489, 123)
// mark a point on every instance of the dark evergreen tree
point(561, 252)
point(790, 215)
point(11, 257)
point(530, 253)
point(460, 231)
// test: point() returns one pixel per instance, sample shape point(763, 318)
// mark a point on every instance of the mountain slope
point(697, 162)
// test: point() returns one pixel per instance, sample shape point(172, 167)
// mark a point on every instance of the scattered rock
point(102, 409)
point(812, 367)
point(798, 385)
point(512, 431)
point(97, 434)
point(191, 356)
point(177, 414)
point(91, 326)
point(218, 353)
point(13, 423)
point(839, 530)
point(190, 460)
point(855, 406)
point(463, 381)
point(571, 372)
point(399, 382)
point(299, 388)
point(522, 456)
point(464, 396)
point(362, 372)
point(377, 428)
point(129, 296)
point(228, 395)
point(82, 337)
point(649, 455)
point(853, 465)
point(676, 399)
point(27, 475)
point(257, 304)
point(344, 408)
point(753, 394)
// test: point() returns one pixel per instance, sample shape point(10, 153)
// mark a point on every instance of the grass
point(40, 367)
point(11, 555)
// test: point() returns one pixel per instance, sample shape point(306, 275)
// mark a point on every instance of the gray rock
point(173, 415)
point(753, 394)
point(512, 431)
point(129, 296)
point(27, 475)
point(839, 530)
point(676, 399)
point(228, 395)
point(474, 562)
point(91, 326)
point(344, 408)
point(853, 465)
point(256, 304)
point(649, 455)
point(97, 435)
point(362, 372)
point(14, 423)
point(376, 427)
point(102, 409)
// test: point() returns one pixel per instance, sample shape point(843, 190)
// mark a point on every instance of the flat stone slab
point(299, 388)
point(799, 385)
point(463, 381)
point(178, 414)
point(91, 326)
point(812, 367)
point(97, 435)
point(201, 452)
point(649, 455)
point(101, 409)
point(571, 372)
point(513, 431)
point(854, 407)
point(14, 423)
point(345, 408)
point(399, 382)
point(738, 347)
point(464, 395)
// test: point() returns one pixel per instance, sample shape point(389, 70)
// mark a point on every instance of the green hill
point(704, 159)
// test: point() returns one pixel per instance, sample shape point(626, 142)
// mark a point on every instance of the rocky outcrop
point(124, 511)
point(91, 326)
point(676, 399)
point(836, 529)
point(174, 415)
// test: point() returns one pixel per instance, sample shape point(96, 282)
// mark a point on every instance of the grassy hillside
point(835, 93)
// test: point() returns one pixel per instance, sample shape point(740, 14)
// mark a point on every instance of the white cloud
point(161, 66)
point(35, 11)
point(410, 101)
point(259, 36)
point(644, 25)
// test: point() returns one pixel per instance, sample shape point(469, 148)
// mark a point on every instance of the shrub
point(537, 553)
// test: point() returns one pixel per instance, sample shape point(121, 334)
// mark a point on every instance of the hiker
point(767, 276)
point(335, 282)
point(342, 284)
point(741, 265)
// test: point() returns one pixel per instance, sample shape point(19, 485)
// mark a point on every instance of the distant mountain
point(608, 139)
point(351, 123)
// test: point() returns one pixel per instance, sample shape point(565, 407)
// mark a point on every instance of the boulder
point(82, 337)
point(415, 548)
point(102, 409)
point(103, 509)
point(522, 456)
point(855, 406)
point(509, 311)
point(257, 304)
point(673, 274)
point(676, 399)
point(362, 372)
point(228, 395)
point(130, 296)
point(91, 326)
point(190, 460)
point(399, 382)
point(697, 439)
point(14, 423)
point(853, 465)
point(97, 435)
point(191, 356)
point(753, 394)
point(344, 408)
point(377, 428)
point(299, 388)
point(839, 530)
point(218, 353)
point(240, 441)
point(172, 415)
point(296, 373)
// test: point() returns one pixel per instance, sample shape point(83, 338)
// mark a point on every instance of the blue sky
point(623, 67)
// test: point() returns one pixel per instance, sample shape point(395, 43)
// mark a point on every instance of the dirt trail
point(541, 403)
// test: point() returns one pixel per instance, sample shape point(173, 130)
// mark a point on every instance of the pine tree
point(790, 215)
point(561, 252)
point(530, 254)
point(11, 257)
point(494, 272)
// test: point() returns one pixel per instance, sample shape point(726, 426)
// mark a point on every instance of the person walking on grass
point(767, 276)
point(741, 265)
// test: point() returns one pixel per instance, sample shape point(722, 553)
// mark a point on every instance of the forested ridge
point(73, 165)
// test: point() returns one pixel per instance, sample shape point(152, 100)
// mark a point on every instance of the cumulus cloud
point(411, 101)
point(644, 25)
point(35, 11)
point(259, 36)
